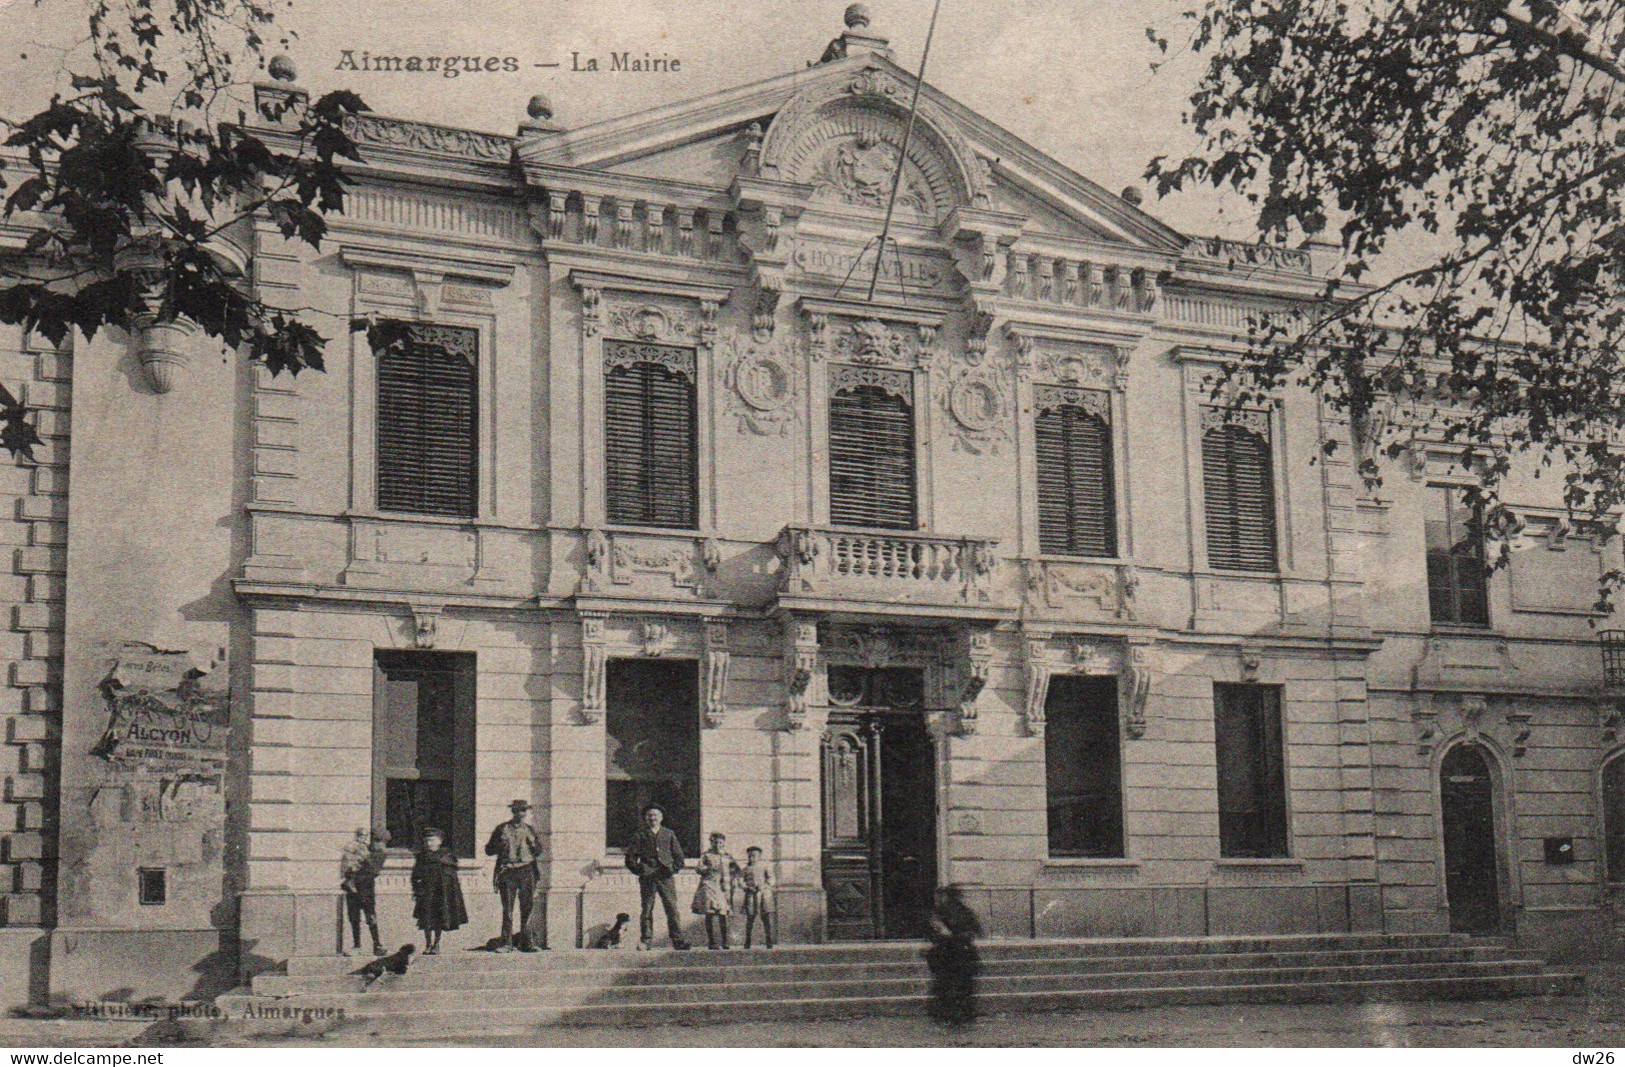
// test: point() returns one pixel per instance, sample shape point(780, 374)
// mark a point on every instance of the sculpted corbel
point(716, 673)
point(800, 662)
point(1038, 670)
point(977, 669)
point(1136, 690)
point(594, 662)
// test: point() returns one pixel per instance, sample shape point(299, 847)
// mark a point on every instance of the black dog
point(611, 938)
point(394, 963)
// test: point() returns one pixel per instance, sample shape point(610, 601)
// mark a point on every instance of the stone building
point(969, 580)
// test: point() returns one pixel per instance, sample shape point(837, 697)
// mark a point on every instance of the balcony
point(824, 568)
point(1613, 660)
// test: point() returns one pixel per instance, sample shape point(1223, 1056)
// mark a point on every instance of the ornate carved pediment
point(843, 139)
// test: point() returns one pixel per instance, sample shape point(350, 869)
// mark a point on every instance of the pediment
point(837, 130)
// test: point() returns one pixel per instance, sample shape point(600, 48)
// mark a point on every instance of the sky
point(1071, 77)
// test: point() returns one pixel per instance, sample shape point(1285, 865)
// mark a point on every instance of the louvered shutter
point(428, 423)
point(649, 446)
point(1076, 501)
point(1239, 491)
point(871, 459)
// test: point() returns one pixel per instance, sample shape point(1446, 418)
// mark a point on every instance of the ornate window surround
point(1071, 357)
point(631, 307)
point(910, 348)
point(1196, 365)
point(412, 287)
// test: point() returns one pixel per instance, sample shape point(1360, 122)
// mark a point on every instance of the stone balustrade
point(633, 223)
point(1047, 279)
point(885, 566)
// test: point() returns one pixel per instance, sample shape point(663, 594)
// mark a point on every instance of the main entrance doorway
point(1470, 877)
point(879, 803)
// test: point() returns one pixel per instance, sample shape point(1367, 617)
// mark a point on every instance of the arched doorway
point(1613, 822)
point(1472, 885)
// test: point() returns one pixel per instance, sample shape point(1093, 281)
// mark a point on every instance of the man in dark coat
point(655, 856)
point(517, 851)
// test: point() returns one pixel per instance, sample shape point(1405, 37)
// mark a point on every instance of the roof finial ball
point(857, 16)
point(281, 69)
point(540, 108)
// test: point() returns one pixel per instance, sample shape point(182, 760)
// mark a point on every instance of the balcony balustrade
point(885, 566)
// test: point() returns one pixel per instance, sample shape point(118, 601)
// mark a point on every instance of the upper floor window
point(428, 423)
point(1238, 481)
point(871, 448)
point(1076, 498)
point(650, 437)
point(1457, 575)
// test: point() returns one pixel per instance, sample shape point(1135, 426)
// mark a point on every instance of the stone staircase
point(485, 993)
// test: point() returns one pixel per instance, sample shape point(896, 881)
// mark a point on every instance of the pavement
point(1595, 1019)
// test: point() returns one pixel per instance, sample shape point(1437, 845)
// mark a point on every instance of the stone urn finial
point(857, 16)
point(281, 69)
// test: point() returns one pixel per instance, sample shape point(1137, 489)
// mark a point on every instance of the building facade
point(645, 497)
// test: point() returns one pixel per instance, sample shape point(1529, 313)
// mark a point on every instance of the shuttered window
point(1457, 575)
point(428, 421)
point(871, 449)
point(1239, 483)
point(1076, 502)
point(649, 435)
point(1250, 753)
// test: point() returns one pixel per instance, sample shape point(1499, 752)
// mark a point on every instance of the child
point(712, 900)
point(438, 897)
point(359, 866)
point(757, 882)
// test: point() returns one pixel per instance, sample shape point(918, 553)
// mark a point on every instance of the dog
point(611, 938)
point(395, 963)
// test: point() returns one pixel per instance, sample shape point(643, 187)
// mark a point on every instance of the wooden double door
point(879, 808)
point(1472, 880)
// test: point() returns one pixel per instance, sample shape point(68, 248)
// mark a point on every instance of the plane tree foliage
point(1466, 158)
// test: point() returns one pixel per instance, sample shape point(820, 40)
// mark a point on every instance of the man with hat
point(517, 852)
point(655, 856)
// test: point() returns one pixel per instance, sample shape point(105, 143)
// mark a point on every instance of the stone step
point(298, 1016)
point(880, 951)
point(387, 996)
point(742, 968)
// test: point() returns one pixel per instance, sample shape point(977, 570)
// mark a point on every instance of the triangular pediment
point(836, 130)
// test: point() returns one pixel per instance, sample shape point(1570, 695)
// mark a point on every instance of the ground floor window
point(1083, 777)
point(1252, 770)
point(652, 748)
point(423, 747)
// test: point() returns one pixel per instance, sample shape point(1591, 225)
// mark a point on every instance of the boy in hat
point(517, 852)
point(757, 882)
point(359, 866)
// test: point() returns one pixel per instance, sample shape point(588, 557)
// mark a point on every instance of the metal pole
point(902, 155)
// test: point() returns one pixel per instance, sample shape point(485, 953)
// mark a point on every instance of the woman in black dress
point(953, 958)
point(438, 899)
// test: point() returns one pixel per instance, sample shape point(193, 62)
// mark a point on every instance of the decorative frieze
point(427, 137)
point(679, 361)
point(891, 382)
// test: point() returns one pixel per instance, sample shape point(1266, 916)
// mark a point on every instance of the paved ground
point(1594, 1020)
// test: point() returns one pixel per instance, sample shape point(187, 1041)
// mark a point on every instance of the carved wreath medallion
point(763, 382)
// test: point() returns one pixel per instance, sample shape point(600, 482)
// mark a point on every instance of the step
point(746, 968)
point(882, 951)
point(489, 1019)
point(386, 995)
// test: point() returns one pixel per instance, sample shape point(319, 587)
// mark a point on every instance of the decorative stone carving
point(1242, 253)
point(1059, 586)
point(1253, 420)
point(1086, 367)
point(1426, 719)
point(1051, 398)
point(1251, 659)
point(870, 341)
point(800, 661)
point(883, 646)
point(1520, 722)
point(1037, 666)
point(715, 666)
point(892, 382)
point(975, 670)
point(425, 621)
point(427, 137)
point(631, 556)
point(594, 662)
point(977, 400)
point(859, 171)
point(679, 361)
point(657, 639)
point(764, 384)
point(595, 572)
point(591, 300)
point(1608, 717)
point(664, 323)
point(1135, 689)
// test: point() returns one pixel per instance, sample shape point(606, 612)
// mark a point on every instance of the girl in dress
point(438, 899)
point(713, 899)
point(757, 882)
